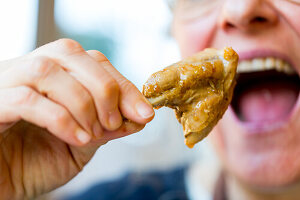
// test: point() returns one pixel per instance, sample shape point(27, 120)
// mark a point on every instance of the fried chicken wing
point(198, 88)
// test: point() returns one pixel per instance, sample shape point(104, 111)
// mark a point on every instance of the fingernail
point(144, 110)
point(82, 136)
point(114, 120)
point(97, 130)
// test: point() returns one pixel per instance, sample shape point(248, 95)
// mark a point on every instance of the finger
point(126, 129)
point(25, 103)
point(133, 104)
point(101, 85)
point(48, 78)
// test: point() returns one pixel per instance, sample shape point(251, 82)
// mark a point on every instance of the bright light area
point(18, 21)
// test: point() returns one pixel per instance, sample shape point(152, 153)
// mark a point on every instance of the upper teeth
point(260, 64)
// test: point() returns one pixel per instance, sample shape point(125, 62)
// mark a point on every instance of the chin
point(260, 163)
point(258, 139)
point(265, 168)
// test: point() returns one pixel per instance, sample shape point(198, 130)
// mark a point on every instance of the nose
point(247, 15)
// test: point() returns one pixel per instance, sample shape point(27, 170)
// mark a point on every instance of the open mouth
point(267, 90)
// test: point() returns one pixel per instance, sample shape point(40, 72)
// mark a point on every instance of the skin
point(263, 164)
point(59, 92)
point(59, 104)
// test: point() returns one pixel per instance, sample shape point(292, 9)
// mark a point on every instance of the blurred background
point(136, 37)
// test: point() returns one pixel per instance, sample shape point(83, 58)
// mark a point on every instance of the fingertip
point(144, 110)
point(114, 120)
point(82, 136)
point(128, 127)
point(137, 109)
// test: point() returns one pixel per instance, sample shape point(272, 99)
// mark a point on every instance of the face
point(258, 138)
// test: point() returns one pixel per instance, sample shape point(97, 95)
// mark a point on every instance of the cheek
point(291, 14)
point(194, 36)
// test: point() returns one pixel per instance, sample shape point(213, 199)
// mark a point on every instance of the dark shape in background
point(48, 31)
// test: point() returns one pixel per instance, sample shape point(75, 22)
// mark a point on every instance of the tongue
point(268, 102)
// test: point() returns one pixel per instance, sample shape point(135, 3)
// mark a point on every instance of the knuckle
point(109, 88)
point(25, 95)
point(127, 87)
point(60, 117)
point(97, 55)
point(41, 67)
point(86, 102)
point(69, 46)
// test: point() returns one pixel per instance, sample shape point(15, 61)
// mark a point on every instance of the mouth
point(266, 93)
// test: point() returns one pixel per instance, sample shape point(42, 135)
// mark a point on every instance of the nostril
point(229, 25)
point(259, 20)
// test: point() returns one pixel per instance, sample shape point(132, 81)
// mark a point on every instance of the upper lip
point(263, 53)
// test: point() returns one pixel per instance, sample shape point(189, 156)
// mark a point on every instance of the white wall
point(18, 27)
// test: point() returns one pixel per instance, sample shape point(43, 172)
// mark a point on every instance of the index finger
point(100, 84)
point(132, 103)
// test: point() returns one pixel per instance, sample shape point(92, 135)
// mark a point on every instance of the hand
point(58, 104)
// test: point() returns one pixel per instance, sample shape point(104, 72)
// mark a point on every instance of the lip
point(266, 128)
point(263, 53)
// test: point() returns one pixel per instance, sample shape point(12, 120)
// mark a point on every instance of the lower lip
point(265, 127)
